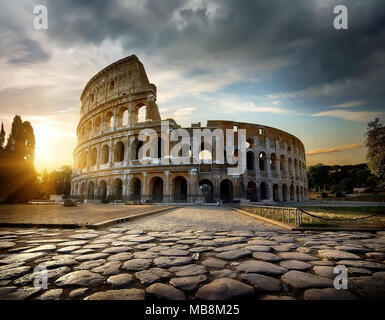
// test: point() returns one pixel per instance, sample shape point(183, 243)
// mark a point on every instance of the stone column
point(167, 187)
point(145, 187)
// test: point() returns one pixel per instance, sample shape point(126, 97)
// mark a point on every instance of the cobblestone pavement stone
point(192, 252)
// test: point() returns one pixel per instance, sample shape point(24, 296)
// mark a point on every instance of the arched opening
point(275, 193)
point(180, 189)
point(89, 129)
point(290, 163)
point(105, 154)
point(112, 85)
point(263, 190)
point(142, 113)
point(159, 150)
point(205, 155)
point(226, 190)
point(136, 189)
point(123, 117)
point(109, 121)
point(119, 152)
point(138, 145)
point(295, 168)
point(118, 189)
point(250, 160)
point(82, 190)
point(97, 127)
point(282, 163)
point(291, 193)
point(273, 161)
point(91, 188)
point(297, 192)
point(262, 160)
point(249, 143)
point(207, 189)
point(157, 189)
point(85, 159)
point(102, 190)
point(94, 155)
point(284, 192)
point(252, 191)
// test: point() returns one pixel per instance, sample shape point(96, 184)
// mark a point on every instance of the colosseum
point(119, 101)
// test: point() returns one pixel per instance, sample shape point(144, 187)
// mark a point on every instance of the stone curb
point(277, 223)
point(124, 219)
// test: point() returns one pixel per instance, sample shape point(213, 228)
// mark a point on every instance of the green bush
point(324, 194)
point(340, 194)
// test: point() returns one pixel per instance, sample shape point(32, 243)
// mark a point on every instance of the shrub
point(324, 194)
point(340, 194)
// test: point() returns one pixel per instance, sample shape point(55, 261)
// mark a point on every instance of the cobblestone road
point(192, 252)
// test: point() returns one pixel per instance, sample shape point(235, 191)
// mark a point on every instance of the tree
point(375, 142)
point(2, 137)
point(17, 171)
point(318, 175)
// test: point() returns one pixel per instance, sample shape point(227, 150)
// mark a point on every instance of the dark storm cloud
point(246, 33)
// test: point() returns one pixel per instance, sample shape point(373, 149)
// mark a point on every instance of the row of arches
point(103, 191)
point(111, 120)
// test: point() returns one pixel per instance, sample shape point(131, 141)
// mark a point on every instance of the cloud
point(335, 149)
point(349, 104)
point(359, 116)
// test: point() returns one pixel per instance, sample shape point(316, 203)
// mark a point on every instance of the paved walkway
point(203, 252)
point(80, 215)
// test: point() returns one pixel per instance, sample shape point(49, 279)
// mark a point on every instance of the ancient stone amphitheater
point(119, 101)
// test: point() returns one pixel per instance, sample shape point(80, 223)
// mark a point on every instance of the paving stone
point(295, 265)
point(85, 236)
point(122, 294)
point(22, 257)
point(77, 293)
point(73, 243)
point(212, 262)
point(201, 249)
point(90, 264)
point(225, 289)
point(53, 294)
point(95, 246)
point(284, 247)
point(92, 256)
point(359, 271)
point(252, 266)
point(234, 254)
point(328, 294)
point(80, 278)
point(257, 248)
point(229, 240)
point(225, 273)
point(188, 283)
point(283, 239)
point(322, 263)
point(6, 245)
point(174, 252)
point(303, 250)
point(362, 264)
point(163, 291)
point(164, 262)
point(325, 271)
point(46, 247)
point(297, 256)
point(68, 249)
point(260, 242)
point(190, 270)
point(13, 272)
point(145, 254)
point(241, 233)
point(368, 287)
point(51, 274)
point(302, 280)
point(123, 256)
point(137, 264)
point(145, 246)
point(266, 256)
point(59, 263)
point(232, 247)
point(108, 269)
point(116, 250)
point(21, 294)
point(152, 275)
point(337, 254)
point(261, 282)
point(352, 249)
point(138, 239)
point(120, 280)
point(375, 255)
point(379, 275)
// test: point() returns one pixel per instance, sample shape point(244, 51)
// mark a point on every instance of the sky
point(274, 62)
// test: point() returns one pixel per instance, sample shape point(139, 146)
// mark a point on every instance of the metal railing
point(288, 215)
